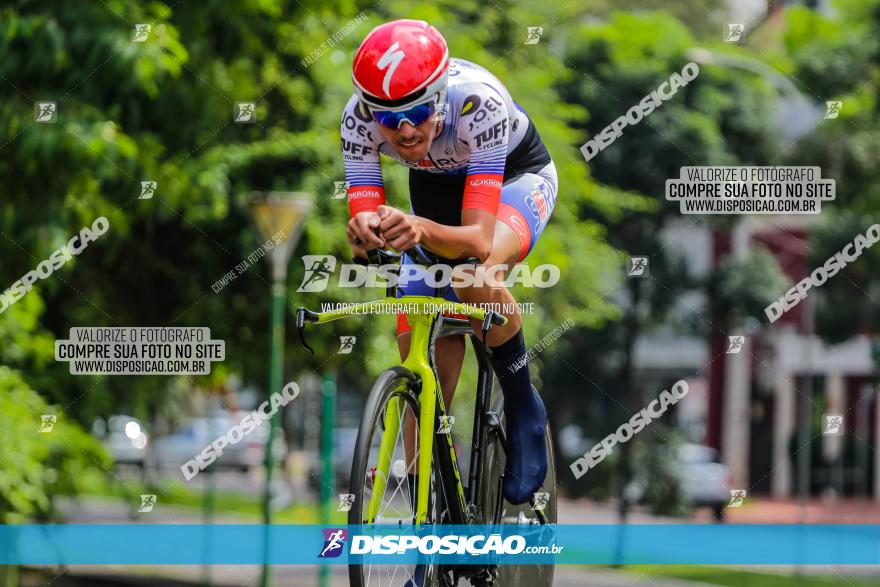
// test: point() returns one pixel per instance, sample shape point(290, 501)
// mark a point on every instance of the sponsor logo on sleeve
point(358, 193)
point(483, 181)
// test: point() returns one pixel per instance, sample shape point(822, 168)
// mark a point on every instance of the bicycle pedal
point(523, 520)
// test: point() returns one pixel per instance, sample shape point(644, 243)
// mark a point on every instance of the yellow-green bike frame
point(422, 312)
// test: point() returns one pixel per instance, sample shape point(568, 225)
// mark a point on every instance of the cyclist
point(482, 184)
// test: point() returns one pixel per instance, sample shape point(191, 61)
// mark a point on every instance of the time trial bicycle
point(405, 469)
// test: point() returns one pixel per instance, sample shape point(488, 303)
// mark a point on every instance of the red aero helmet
point(401, 64)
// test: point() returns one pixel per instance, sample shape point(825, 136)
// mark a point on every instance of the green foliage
point(655, 463)
point(745, 286)
point(843, 59)
point(36, 467)
point(162, 110)
point(832, 57)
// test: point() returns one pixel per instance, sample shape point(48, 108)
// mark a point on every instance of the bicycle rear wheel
point(389, 404)
point(517, 575)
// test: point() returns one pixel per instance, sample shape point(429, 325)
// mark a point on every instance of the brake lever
point(487, 324)
point(302, 315)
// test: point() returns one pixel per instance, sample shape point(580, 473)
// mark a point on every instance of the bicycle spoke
point(397, 501)
point(400, 436)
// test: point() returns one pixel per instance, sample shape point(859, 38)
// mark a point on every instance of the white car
point(124, 437)
point(174, 450)
point(704, 480)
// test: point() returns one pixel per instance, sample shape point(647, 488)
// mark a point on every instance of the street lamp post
point(278, 216)
point(796, 114)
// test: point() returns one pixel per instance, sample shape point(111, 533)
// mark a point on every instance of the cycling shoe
point(526, 465)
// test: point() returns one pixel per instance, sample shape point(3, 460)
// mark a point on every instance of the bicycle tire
point(516, 575)
point(388, 382)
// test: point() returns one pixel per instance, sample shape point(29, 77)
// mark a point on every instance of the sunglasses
point(415, 116)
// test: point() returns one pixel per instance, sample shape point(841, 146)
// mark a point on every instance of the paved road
point(302, 576)
point(95, 510)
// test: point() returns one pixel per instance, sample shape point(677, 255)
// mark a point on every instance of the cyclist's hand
point(363, 231)
point(400, 231)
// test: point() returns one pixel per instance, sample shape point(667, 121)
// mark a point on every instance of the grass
point(247, 507)
point(736, 578)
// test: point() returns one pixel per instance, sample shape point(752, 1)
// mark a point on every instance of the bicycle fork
point(417, 363)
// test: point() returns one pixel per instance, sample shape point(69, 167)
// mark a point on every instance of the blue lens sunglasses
point(415, 116)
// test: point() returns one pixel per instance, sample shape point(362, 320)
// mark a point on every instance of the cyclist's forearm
point(455, 242)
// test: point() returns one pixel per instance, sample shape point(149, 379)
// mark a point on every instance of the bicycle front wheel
point(383, 478)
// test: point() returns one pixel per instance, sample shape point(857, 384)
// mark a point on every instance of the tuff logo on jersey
point(391, 59)
point(355, 148)
point(496, 131)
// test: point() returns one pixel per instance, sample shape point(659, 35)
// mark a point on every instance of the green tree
point(162, 110)
point(838, 60)
point(719, 118)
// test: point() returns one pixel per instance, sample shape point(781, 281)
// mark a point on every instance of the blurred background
point(160, 109)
